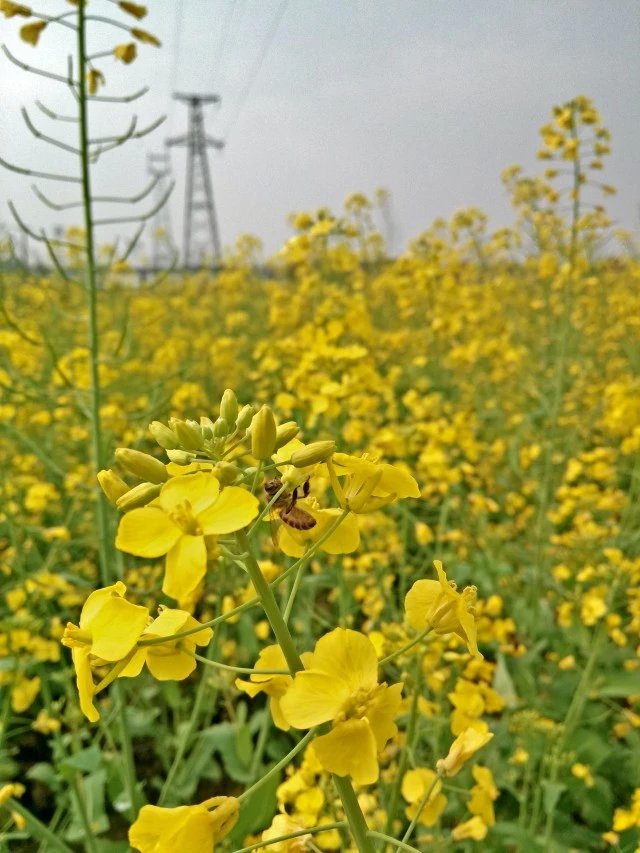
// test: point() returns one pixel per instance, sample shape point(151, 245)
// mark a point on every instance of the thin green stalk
point(279, 766)
point(423, 802)
point(407, 746)
point(405, 648)
point(571, 718)
point(400, 845)
point(258, 752)
point(128, 763)
point(241, 669)
point(187, 733)
point(91, 284)
point(37, 828)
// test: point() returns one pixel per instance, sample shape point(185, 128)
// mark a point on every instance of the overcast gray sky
point(430, 99)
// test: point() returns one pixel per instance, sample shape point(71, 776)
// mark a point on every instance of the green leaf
point(619, 685)
point(93, 787)
point(551, 793)
point(87, 760)
point(503, 683)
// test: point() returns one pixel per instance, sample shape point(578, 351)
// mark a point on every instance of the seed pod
point(142, 465)
point(229, 408)
point(317, 451)
point(286, 433)
point(263, 434)
point(140, 495)
point(112, 485)
point(165, 437)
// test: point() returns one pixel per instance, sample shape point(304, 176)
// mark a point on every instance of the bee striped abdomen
point(298, 518)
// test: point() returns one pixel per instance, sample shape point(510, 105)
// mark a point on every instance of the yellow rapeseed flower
point(340, 684)
point(461, 750)
point(474, 829)
point(109, 628)
point(369, 484)
point(134, 9)
point(415, 785)
point(275, 686)
point(438, 604)
point(170, 661)
point(188, 509)
point(198, 828)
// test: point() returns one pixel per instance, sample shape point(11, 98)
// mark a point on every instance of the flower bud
point(140, 495)
point(313, 453)
point(229, 408)
point(181, 457)
point(286, 433)
point(165, 437)
point(142, 465)
point(189, 434)
point(112, 485)
point(263, 434)
point(244, 418)
point(227, 473)
point(206, 427)
point(221, 428)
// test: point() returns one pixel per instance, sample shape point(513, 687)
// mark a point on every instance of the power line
point(224, 34)
point(257, 65)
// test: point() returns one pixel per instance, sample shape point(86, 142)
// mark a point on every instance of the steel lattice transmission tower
point(162, 248)
point(201, 232)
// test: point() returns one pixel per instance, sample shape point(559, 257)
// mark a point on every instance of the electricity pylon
point(162, 243)
point(201, 233)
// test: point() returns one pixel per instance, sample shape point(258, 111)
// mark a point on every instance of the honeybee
point(289, 512)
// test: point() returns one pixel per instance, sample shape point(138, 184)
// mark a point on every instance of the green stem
point(258, 752)
point(279, 766)
point(357, 823)
point(407, 746)
point(92, 299)
point(37, 828)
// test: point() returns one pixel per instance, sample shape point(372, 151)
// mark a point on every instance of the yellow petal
point(344, 540)
point(147, 532)
point(291, 542)
point(279, 719)
point(84, 682)
point(200, 490)
point(349, 750)
point(397, 482)
point(159, 830)
point(96, 600)
point(116, 628)
point(421, 602)
point(381, 713)
point(186, 566)
point(233, 510)
point(134, 667)
point(313, 698)
point(172, 665)
point(347, 656)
